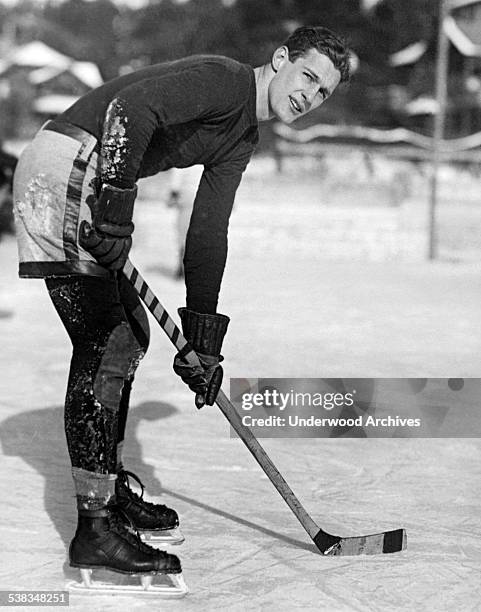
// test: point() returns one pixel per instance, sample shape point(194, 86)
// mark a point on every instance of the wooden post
point(439, 124)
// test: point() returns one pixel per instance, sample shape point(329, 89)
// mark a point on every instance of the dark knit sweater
point(198, 110)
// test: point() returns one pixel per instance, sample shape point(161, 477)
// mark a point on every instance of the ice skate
point(126, 565)
point(156, 523)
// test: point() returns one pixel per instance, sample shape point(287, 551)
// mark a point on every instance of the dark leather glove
point(205, 333)
point(109, 237)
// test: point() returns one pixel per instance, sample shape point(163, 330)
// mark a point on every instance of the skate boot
point(104, 541)
point(156, 523)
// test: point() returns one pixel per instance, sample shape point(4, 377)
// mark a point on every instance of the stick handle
point(222, 401)
point(263, 459)
point(160, 313)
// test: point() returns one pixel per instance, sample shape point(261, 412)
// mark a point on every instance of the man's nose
point(309, 97)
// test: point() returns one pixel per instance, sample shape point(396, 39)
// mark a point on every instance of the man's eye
point(309, 77)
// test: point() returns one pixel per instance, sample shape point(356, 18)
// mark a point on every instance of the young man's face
point(300, 86)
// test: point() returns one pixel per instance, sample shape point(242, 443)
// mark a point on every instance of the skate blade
point(165, 586)
point(172, 537)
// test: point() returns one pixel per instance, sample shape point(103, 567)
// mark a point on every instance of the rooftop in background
point(50, 63)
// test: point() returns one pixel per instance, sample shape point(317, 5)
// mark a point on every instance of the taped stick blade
point(373, 544)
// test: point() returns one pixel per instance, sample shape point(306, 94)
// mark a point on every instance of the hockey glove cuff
point(205, 333)
point(109, 237)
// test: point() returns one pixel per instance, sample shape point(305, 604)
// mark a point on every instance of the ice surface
point(292, 315)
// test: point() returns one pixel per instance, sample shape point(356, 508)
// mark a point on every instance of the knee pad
point(119, 361)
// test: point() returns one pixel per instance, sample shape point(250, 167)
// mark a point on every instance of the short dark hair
point(325, 41)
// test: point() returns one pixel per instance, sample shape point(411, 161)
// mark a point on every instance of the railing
point(397, 143)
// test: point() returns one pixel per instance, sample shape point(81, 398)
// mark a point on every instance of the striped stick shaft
point(160, 313)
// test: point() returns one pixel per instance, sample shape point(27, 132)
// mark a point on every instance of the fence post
point(439, 122)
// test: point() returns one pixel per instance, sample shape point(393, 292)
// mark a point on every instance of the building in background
point(36, 83)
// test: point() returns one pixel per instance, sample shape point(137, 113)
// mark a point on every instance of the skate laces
point(123, 478)
point(121, 524)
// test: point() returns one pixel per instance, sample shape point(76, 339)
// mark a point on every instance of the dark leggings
point(109, 331)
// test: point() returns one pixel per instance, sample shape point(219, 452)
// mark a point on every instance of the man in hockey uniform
point(75, 188)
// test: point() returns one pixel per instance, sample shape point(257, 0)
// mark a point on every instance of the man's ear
point(279, 57)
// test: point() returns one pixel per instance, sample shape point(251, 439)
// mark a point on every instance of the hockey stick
point(328, 544)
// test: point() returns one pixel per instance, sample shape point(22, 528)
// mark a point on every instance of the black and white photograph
point(240, 295)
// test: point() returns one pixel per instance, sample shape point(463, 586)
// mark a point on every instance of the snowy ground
point(297, 311)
